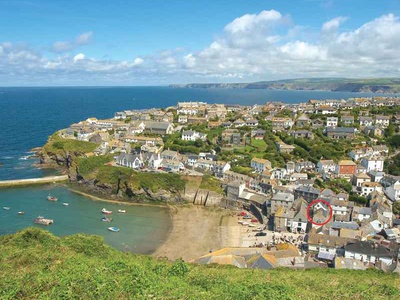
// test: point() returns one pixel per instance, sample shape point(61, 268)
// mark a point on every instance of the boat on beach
point(105, 219)
point(106, 212)
point(6, 208)
point(50, 198)
point(42, 221)
point(122, 211)
point(21, 213)
point(113, 229)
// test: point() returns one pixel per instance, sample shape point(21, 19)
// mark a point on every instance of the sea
point(29, 115)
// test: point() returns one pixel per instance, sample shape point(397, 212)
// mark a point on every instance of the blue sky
point(159, 42)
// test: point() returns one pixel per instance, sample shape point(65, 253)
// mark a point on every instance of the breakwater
point(30, 181)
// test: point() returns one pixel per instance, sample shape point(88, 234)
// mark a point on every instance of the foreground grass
point(37, 265)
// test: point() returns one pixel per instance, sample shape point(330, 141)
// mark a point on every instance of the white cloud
point(78, 57)
point(63, 46)
point(260, 46)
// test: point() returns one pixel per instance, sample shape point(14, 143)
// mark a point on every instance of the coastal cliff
point(97, 174)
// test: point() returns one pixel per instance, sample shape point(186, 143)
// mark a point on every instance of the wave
point(6, 157)
point(26, 157)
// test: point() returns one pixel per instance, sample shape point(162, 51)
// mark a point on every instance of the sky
point(158, 42)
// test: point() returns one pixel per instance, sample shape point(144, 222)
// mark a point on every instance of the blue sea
point(29, 115)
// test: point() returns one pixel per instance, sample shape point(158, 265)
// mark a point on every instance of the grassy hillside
point(37, 265)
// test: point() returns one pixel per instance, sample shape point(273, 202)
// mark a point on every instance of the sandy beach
point(197, 230)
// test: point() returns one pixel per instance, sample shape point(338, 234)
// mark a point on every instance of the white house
point(369, 187)
point(331, 121)
point(130, 161)
point(326, 166)
point(374, 163)
point(382, 121)
point(189, 135)
point(278, 173)
point(393, 191)
point(365, 121)
point(367, 252)
point(259, 164)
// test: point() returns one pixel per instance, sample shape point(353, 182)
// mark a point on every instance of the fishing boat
point(106, 212)
point(122, 211)
point(6, 208)
point(42, 221)
point(105, 219)
point(113, 229)
point(65, 204)
point(50, 198)
point(21, 213)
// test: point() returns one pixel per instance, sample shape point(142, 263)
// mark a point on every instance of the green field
point(34, 264)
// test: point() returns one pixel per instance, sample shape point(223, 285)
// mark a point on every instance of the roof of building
point(368, 248)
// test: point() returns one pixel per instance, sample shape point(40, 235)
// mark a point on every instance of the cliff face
point(121, 188)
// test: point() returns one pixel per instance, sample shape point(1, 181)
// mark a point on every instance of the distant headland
point(370, 85)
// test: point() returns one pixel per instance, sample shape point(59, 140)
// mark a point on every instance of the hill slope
point(373, 85)
point(37, 265)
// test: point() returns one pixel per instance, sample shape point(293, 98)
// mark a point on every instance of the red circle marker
point(315, 202)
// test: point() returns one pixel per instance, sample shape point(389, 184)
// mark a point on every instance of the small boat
point(21, 213)
point(105, 219)
point(42, 221)
point(65, 204)
point(122, 211)
point(51, 198)
point(6, 208)
point(252, 225)
point(106, 212)
point(113, 229)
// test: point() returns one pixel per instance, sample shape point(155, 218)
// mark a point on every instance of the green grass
point(91, 164)
point(260, 145)
point(37, 265)
point(212, 184)
point(59, 145)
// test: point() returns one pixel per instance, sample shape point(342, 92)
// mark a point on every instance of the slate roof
point(368, 248)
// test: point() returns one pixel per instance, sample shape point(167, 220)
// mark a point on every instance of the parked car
point(261, 234)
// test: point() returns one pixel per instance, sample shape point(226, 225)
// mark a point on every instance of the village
point(271, 162)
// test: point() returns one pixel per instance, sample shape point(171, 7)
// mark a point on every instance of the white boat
point(50, 198)
point(106, 212)
point(252, 225)
point(113, 229)
point(122, 211)
point(65, 204)
point(21, 213)
point(245, 224)
point(42, 221)
point(6, 208)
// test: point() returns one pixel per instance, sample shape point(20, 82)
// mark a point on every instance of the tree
point(396, 207)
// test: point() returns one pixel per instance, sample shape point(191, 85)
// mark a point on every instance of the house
point(365, 121)
point(359, 153)
point(120, 115)
point(382, 150)
point(290, 167)
point(374, 163)
point(197, 120)
point(238, 123)
point(280, 199)
point(189, 135)
point(285, 148)
point(169, 154)
point(340, 132)
point(173, 165)
point(361, 169)
point(231, 136)
point(372, 131)
point(332, 121)
point(159, 127)
point(220, 168)
point(302, 134)
point(347, 120)
point(154, 160)
point(392, 234)
point(298, 176)
point(304, 166)
point(303, 121)
point(361, 213)
point(393, 191)
point(376, 176)
point(317, 123)
point(382, 121)
point(360, 178)
point(369, 187)
point(345, 168)
point(279, 124)
point(252, 122)
point(367, 252)
point(130, 161)
point(191, 108)
point(324, 243)
point(216, 111)
point(260, 164)
point(325, 110)
point(307, 193)
point(299, 222)
point(326, 166)
point(258, 134)
point(182, 119)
